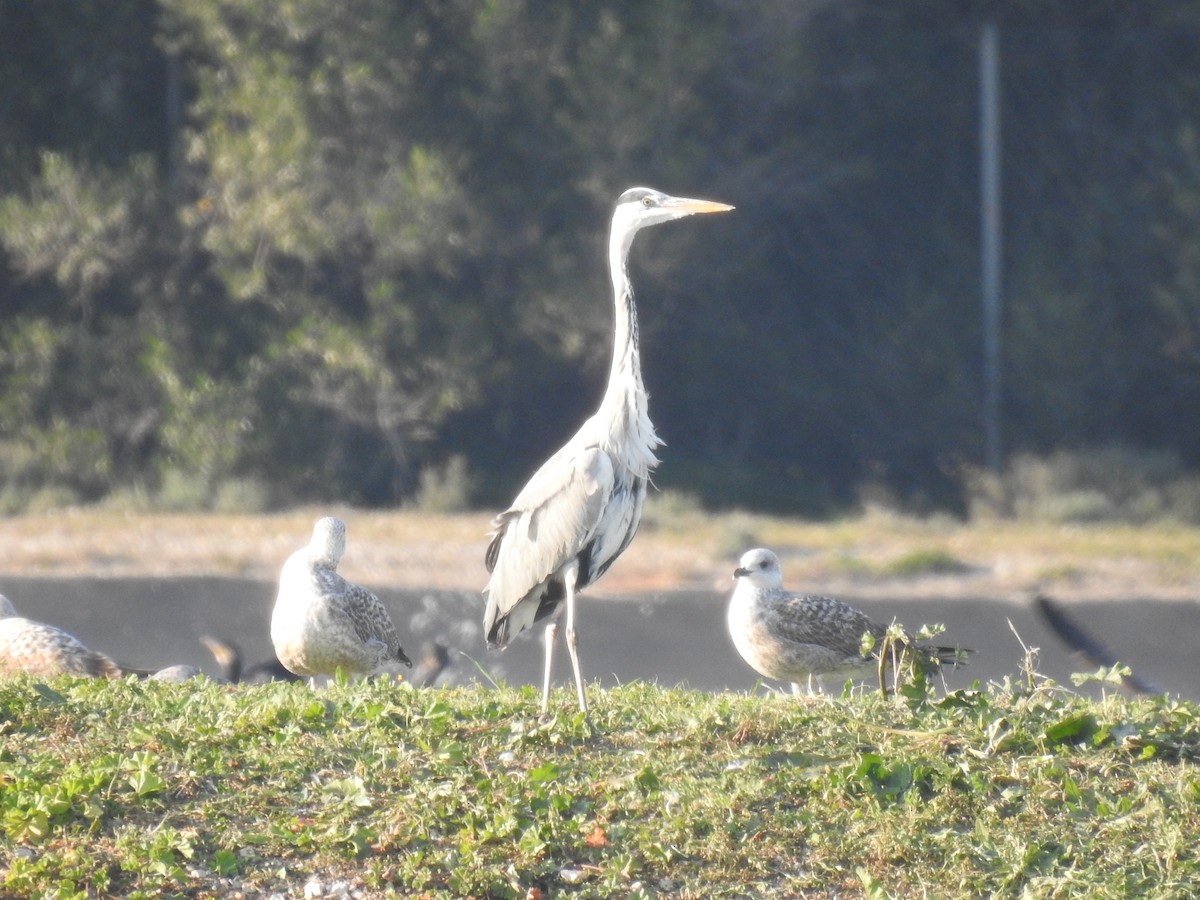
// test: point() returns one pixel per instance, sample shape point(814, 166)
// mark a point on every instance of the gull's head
point(328, 542)
point(760, 568)
point(7, 610)
point(640, 207)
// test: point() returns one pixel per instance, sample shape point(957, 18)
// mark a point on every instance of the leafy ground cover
point(375, 789)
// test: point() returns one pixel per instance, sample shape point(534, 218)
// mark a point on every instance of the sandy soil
point(871, 557)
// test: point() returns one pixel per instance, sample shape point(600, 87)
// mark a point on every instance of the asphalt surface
point(671, 638)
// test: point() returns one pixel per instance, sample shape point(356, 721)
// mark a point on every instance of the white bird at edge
point(581, 509)
point(321, 622)
point(801, 637)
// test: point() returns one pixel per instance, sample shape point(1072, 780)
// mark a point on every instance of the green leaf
point(48, 693)
point(225, 862)
point(1073, 728)
point(544, 773)
point(647, 780)
point(145, 782)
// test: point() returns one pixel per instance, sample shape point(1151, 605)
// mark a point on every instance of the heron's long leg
point(551, 634)
point(573, 641)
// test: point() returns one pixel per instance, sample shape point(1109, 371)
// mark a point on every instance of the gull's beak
point(738, 573)
point(686, 206)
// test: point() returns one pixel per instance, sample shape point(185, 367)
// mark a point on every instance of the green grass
point(925, 562)
point(142, 789)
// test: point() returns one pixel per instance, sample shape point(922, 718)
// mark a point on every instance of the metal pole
point(989, 151)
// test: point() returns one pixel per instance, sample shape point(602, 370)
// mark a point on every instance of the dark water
point(672, 638)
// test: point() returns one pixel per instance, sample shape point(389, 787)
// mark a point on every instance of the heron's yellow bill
point(688, 205)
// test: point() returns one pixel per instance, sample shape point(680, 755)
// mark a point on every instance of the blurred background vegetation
point(259, 254)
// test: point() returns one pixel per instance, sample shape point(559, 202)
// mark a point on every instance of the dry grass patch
point(679, 548)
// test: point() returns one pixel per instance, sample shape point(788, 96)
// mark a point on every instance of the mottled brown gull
point(321, 622)
point(45, 651)
point(800, 637)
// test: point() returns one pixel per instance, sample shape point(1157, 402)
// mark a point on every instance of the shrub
point(447, 488)
point(1111, 483)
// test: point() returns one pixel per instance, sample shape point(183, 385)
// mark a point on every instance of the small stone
point(571, 875)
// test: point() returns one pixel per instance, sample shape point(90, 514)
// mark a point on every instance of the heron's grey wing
point(545, 483)
point(824, 621)
point(552, 519)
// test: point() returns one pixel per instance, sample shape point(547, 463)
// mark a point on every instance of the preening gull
point(799, 637)
point(321, 622)
point(45, 651)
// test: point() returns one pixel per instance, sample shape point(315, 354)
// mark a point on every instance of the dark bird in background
point(581, 509)
point(229, 658)
point(1075, 636)
point(432, 661)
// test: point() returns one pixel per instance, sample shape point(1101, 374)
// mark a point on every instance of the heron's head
point(639, 207)
point(760, 567)
point(328, 541)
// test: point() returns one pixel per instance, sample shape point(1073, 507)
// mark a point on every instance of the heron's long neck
point(624, 407)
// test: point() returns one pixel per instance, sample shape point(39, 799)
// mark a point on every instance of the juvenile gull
point(321, 622)
point(798, 637)
point(44, 650)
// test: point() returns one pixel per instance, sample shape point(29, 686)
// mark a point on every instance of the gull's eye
point(647, 202)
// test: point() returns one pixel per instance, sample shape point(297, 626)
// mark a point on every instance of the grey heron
point(797, 637)
point(321, 622)
point(581, 509)
point(45, 650)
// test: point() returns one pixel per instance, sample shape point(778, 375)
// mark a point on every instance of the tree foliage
point(328, 248)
